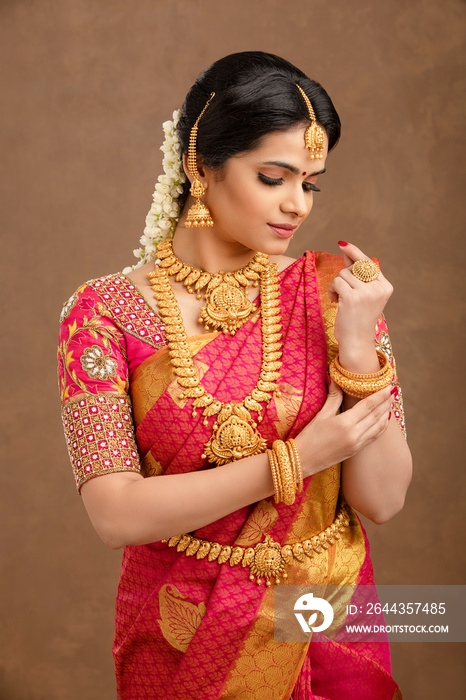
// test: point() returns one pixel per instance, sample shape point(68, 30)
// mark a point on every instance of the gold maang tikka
point(198, 214)
point(314, 136)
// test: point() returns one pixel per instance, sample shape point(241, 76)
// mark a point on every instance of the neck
point(205, 249)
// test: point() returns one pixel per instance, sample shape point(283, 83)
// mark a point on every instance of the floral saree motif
point(190, 628)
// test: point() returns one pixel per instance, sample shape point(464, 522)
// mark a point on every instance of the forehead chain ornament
point(314, 136)
point(198, 214)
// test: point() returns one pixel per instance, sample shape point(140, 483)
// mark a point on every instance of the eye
point(270, 180)
point(309, 187)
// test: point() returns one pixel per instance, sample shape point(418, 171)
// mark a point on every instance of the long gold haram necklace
point(235, 432)
point(226, 307)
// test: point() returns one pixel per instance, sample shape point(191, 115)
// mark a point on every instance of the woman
point(210, 505)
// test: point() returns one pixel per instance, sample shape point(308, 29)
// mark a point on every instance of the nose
point(297, 202)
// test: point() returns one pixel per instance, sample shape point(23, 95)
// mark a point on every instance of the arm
point(127, 509)
point(375, 480)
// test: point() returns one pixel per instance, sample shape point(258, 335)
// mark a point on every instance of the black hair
point(255, 94)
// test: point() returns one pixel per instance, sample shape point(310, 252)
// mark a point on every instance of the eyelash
point(307, 186)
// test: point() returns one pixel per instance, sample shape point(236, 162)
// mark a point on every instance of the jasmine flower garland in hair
point(165, 210)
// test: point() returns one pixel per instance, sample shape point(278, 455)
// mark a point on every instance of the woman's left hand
point(360, 304)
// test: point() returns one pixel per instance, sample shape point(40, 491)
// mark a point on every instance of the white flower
point(156, 207)
point(165, 210)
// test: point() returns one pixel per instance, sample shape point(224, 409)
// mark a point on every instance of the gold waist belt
point(266, 559)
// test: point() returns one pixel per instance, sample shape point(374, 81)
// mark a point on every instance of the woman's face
point(264, 195)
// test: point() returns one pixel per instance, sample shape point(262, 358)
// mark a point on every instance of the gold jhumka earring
point(198, 214)
point(314, 136)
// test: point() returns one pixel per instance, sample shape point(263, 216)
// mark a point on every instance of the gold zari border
point(266, 559)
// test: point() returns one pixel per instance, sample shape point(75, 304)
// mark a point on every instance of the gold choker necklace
point(235, 432)
point(227, 306)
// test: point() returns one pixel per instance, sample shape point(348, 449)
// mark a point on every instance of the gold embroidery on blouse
point(383, 344)
point(67, 307)
point(128, 309)
point(97, 365)
point(96, 328)
point(99, 433)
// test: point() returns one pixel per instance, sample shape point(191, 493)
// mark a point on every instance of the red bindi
point(304, 174)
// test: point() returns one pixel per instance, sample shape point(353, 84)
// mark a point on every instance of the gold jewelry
point(365, 270)
point(277, 482)
point(227, 307)
point(287, 479)
point(314, 136)
point(267, 559)
point(287, 474)
point(235, 432)
point(362, 385)
point(198, 214)
point(296, 463)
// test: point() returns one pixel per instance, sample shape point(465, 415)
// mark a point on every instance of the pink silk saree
point(189, 628)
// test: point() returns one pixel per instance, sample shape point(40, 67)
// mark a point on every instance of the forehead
point(285, 146)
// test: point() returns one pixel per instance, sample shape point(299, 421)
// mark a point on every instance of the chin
point(277, 247)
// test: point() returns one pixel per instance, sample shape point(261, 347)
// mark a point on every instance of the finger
point(338, 286)
point(347, 275)
point(370, 409)
point(351, 253)
point(334, 399)
point(371, 426)
point(374, 430)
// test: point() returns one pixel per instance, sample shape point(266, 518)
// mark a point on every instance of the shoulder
point(283, 261)
point(89, 294)
point(114, 301)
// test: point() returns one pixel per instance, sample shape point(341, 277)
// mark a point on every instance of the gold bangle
point(383, 363)
point(296, 462)
point(362, 385)
point(275, 476)
point(286, 472)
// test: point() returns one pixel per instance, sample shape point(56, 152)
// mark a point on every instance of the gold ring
point(365, 270)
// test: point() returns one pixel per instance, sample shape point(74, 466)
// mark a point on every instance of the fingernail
point(394, 390)
point(342, 243)
point(389, 415)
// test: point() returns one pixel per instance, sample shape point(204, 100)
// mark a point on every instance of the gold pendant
point(235, 436)
point(268, 562)
point(227, 308)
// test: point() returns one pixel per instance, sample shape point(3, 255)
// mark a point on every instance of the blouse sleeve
point(94, 389)
point(382, 343)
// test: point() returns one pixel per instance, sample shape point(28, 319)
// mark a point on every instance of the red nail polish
point(394, 390)
point(389, 415)
point(342, 243)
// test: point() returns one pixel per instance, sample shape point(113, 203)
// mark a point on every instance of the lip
point(283, 230)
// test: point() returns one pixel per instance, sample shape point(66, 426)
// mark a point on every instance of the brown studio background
point(85, 87)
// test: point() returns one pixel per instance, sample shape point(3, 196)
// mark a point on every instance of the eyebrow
point(292, 168)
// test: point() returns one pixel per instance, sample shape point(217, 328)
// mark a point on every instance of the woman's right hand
point(331, 437)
